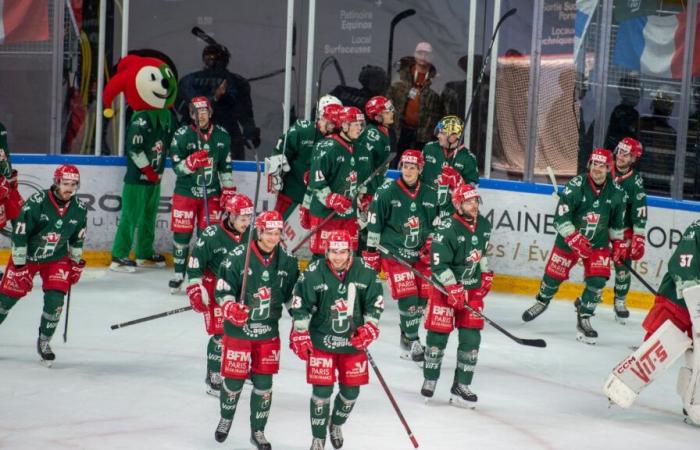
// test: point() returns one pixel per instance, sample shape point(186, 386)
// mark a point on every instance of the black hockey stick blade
point(148, 318)
point(201, 34)
point(402, 15)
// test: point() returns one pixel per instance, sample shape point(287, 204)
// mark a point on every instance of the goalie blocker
point(659, 352)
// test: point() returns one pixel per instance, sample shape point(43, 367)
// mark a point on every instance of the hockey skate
point(222, 429)
point(124, 265)
point(428, 388)
point(45, 353)
point(412, 350)
point(621, 311)
point(213, 381)
point(154, 262)
point(336, 434)
point(175, 284)
point(462, 396)
point(535, 310)
point(584, 331)
point(318, 444)
point(257, 438)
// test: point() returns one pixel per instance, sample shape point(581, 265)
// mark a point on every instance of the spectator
point(229, 94)
point(624, 120)
point(418, 106)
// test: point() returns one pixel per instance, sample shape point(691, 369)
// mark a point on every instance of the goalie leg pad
point(691, 394)
point(663, 310)
point(283, 203)
point(643, 366)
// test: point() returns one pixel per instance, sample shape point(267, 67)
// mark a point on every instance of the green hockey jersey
point(401, 219)
point(636, 209)
point(5, 166)
point(217, 143)
point(212, 246)
point(683, 266)
point(459, 251)
point(331, 306)
point(597, 213)
point(44, 231)
point(333, 170)
point(372, 149)
point(298, 147)
point(270, 284)
point(147, 138)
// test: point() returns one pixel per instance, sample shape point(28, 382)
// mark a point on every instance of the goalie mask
point(449, 125)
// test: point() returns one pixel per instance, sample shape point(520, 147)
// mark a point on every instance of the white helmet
point(325, 101)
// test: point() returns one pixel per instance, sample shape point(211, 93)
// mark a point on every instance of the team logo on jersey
point(470, 265)
point(411, 232)
point(340, 322)
point(261, 303)
point(59, 223)
point(52, 239)
point(443, 194)
point(596, 203)
point(413, 207)
point(265, 277)
point(475, 240)
point(590, 224)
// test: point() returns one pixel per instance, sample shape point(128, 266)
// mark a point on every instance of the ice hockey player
point(627, 153)
point(289, 164)
point(401, 218)
point(589, 215)
point(201, 158)
point(333, 181)
point(214, 243)
point(674, 316)
point(251, 346)
point(336, 306)
point(10, 200)
point(448, 164)
point(372, 149)
point(460, 265)
point(47, 239)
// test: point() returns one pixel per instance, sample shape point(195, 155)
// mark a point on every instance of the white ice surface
point(142, 387)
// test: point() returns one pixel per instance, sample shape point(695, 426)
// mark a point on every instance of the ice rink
point(142, 387)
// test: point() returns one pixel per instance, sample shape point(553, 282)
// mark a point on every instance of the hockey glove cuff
point(196, 293)
point(579, 244)
point(364, 335)
point(455, 296)
point(620, 250)
point(76, 270)
point(637, 247)
point(338, 202)
point(300, 343)
point(236, 313)
point(198, 159)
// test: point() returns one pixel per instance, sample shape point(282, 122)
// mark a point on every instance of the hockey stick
point(529, 342)
point(204, 176)
point(352, 292)
point(65, 324)
point(246, 265)
point(153, 317)
point(333, 213)
point(553, 180)
point(639, 277)
point(203, 35)
point(322, 68)
point(397, 18)
point(484, 63)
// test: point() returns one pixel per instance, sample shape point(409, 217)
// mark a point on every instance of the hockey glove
point(338, 202)
point(197, 293)
point(300, 343)
point(21, 276)
point(364, 335)
point(450, 177)
point(275, 166)
point(620, 249)
point(484, 289)
point(304, 218)
point(455, 296)
point(236, 313)
point(4, 188)
point(425, 251)
point(637, 247)
point(226, 193)
point(364, 201)
point(198, 159)
point(372, 260)
point(76, 270)
point(151, 174)
point(579, 244)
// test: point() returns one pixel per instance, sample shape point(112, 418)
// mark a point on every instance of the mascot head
point(147, 84)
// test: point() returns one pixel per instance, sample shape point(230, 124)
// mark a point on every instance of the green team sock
point(548, 288)
point(320, 409)
point(260, 401)
point(6, 304)
point(409, 317)
point(53, 305)
point(343, 404)
point(214, 353)
point(229, 395)
point(592, 294)
point(622, 281)
point(181, 250)
point(435, 344)
point(467, 354)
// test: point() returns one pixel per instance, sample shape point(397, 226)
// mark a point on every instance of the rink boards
point(521, 215)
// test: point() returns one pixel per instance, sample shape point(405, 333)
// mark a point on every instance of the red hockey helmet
point(350, 114)
point(603, 156)
point(330, 113)
point(198, 103)
point(463, 193)
point(631, 146)
point(376, 105)
point(339, 240)
point(239, 205)
point(412, 156)
point(66, 172)
point(269, 220)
